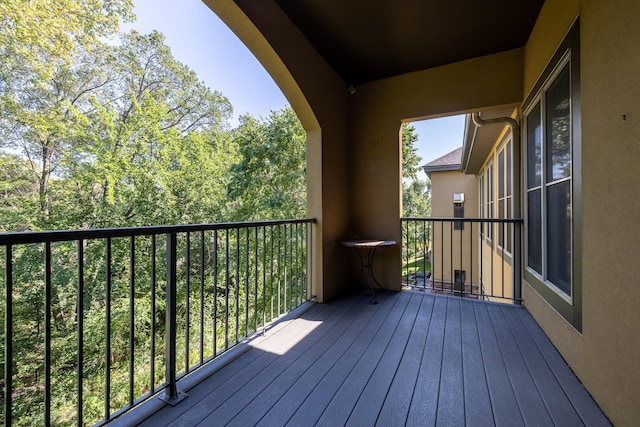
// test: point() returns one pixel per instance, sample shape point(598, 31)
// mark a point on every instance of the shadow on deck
point(413, 359)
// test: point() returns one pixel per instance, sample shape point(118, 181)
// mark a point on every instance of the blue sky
point(199, 39)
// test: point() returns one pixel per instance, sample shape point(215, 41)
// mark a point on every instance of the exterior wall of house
point(377, 111)
point(497, 273)
point(453, 249)
point(497, 265)
point(604, 354)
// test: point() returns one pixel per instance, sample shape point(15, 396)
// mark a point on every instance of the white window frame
point(507, 192)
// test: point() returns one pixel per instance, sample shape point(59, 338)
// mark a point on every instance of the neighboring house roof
point(448, 162)
point(478, 141)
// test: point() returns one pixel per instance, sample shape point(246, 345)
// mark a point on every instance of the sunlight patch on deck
point(280, 343)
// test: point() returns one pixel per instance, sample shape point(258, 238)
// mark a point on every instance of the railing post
point(517, 262)
point(516, 212)
point(172, 396)
point(8, 336)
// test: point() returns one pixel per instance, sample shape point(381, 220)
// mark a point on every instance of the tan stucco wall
point(497, 273)
point(497, 267)
point(606, 355)
point(377, 110)
point(464, 245)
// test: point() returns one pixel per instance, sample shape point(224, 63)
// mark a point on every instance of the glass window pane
point(490, 200)
point(458, 212)
point(508, 172)
point(534, 148)
point(559, 235)
point(558, 129)
point(501, 204)
point(534, 230)
point(481, 194)
point(501, 175)
point(490, 184)
point(509, 226)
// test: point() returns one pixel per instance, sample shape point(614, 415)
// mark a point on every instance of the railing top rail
point(26, 237)
point(450, 219)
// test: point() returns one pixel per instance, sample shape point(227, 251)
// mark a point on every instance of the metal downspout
point(516, 197)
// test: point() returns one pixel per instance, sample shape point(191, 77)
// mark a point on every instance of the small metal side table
point(370, 245)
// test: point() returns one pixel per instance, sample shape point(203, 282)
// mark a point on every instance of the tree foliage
point(416, 193)
point(270, 177)
point(96, 134)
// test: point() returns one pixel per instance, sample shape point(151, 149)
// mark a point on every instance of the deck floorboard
point(414, 358)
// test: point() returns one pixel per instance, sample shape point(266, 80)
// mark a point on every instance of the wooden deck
point(412, 359)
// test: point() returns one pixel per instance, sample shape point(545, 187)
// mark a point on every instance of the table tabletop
point(367, 243)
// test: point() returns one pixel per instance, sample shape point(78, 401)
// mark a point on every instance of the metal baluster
point(308, 261)
point(172, 395)
point(215, 292)
point(403, 233)
point(256, 281)
point(107, 391)
point(201, 297)
point(517, 265)
point(451, 273)
point(80, 320)
point(226, 297)
point(481, 284)
point(264, 276)
point(429, 244)
point(285, 277)
point(415, 249)
point(299, 263)
point(442, 254)
point(279, 272)
point(246, 284)
point(187, 343)
point(503, 231)
point(492, 248)
point(47, 334)
point(471, 258)
point(271, 276)
point(152, 385)
point(237, 284)
point(424, 254)
point(8, 335)
point(132, 275)
point(462, 289)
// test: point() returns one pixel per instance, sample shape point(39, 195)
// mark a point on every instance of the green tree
point(48, 51)
point(416, 201)
point(18, 194)
point(269, 181)
point(156, 151)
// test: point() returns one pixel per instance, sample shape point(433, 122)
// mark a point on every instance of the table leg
point(371, 278)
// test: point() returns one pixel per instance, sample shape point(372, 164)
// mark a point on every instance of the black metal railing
point(98, 321)
point(472, 257)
